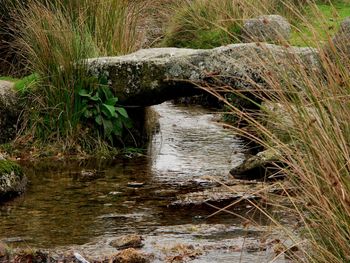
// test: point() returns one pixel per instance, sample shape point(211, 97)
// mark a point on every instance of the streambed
point(65, 209)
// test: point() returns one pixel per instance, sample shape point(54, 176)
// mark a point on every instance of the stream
point(66, 209)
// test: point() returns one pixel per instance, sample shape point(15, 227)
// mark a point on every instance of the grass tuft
point(55, 38)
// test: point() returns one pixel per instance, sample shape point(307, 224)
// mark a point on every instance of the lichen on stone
point(12, 179)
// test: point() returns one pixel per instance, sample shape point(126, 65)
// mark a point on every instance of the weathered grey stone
point(152, 76)
point(12, 179)
point(9, 111)
point(341, 39)
point(267, 28)
point(258, 166)
point(281, 119)
point(341, 43)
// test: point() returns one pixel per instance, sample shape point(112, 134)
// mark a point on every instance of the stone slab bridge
point(152, 76)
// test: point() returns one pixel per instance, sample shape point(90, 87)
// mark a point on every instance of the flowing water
point(67, 208)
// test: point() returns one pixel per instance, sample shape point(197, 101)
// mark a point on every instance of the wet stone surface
point(127, 241)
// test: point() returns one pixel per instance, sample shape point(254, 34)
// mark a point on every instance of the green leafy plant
point(54, 38)
point(100, 109)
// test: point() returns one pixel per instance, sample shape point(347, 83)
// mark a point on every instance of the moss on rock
point(12, 179)
point(7, 166)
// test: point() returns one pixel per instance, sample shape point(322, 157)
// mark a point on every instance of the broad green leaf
point(84, 93)
point(112, 101)
point(122, 112)
point(110, 109)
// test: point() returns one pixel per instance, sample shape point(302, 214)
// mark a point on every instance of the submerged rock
point(12, 179)
point(127, 241)
point(259, 166)
point(9, 111)
point(267, 28)
point(217, 195)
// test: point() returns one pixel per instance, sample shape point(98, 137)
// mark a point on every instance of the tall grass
point(309, 124)
point(55, 37)
point(206, 24)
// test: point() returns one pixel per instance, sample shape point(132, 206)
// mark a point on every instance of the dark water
point(62, 207)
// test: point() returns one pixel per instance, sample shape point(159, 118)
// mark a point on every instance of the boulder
point(9, 111)
point(12, 179)
point(152, 76)
point(259, 166)
point(340, 43)
point(267, 28)
point(281, 118)
point(130, 255)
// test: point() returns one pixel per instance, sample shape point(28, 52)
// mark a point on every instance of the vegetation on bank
point(56, 111)
point(54, 38)
point(323, 19)
point(305, 117)
point(208, 24)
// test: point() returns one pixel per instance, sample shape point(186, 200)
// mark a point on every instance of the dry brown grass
point(311, 131)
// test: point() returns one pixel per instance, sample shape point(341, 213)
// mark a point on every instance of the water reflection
point(63, 208)
point(190, 144)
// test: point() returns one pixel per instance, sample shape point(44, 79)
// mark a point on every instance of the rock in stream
point(12, 179)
